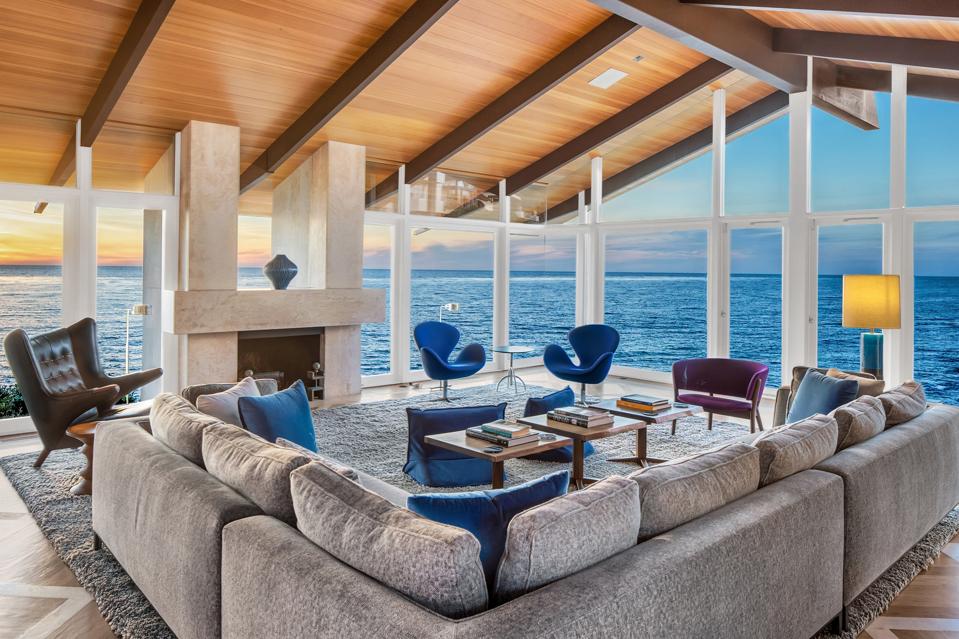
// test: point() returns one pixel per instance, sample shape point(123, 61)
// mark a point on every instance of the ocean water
point(661, 317)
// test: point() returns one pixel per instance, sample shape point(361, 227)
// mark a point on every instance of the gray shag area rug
point(372, 437)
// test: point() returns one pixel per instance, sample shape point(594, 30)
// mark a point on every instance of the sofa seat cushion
point(567, 535)
point(903, 403)
point(859, 420)
point(794, 448)
point(179, 425)
point(284, 414)
point(867, 385)
point(683, 489)
point(253, 467)
point(487, 513)
point(821, 394)
point(713, 403)
point(435, 565)
point(223, 405)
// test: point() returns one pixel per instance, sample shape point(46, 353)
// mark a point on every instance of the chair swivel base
point(583, 401)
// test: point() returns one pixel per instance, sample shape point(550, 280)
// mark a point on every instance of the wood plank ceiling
point(259, 64)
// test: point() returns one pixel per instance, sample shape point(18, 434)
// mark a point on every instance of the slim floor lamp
point(136, 309)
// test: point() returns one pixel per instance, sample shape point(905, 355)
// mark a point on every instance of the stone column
point(318, 223)
point(209, 202)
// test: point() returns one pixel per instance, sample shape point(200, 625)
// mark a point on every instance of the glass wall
point(31, 283)
point(937, 309)
point(377, 273)
point(542, 290)
point(932, 151)
point(755, 297)
point(120, 289)
point(254, 243)
point(683, 191)
point(452, 267)
point(656, 296)
point(450, 195)
point(757, 170)
point(854, 249)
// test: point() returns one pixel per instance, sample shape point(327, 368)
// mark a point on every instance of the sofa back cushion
point(193, 393)
point(253, 467)
point(683, 489)
point(903, 403)
point(821, 394)
point(858, 421)
point(433, 564)
point(794, 448)
point(566, 535)
point(179, 425)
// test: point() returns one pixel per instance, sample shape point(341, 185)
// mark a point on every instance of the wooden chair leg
point(709, 422)
point(42, 457)
point(752, 424)
point(759, 420)
point(674, 428)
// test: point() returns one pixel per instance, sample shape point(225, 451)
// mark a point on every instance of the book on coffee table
point(505, 428)
point(506, 442)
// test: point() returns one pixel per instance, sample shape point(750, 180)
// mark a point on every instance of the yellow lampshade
point(870, 301)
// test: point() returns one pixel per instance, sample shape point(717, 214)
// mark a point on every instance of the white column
point(717, 270)
point(897, 138)
point(583, 286)
point(80, 244)
point(501, 253)
point(402, 264)
point(898, 239)
point(799, 267)
point(597, 258)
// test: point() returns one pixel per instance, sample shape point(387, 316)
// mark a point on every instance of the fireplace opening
point(284, 355)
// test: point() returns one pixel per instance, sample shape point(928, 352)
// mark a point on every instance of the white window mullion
point(501, 254)
point(597, 256)
point(582, 260)
point(402, 282)
point(80, 244)
point(717, 268)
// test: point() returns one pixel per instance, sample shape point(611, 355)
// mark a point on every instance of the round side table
point(85, 433)
point(511, 378)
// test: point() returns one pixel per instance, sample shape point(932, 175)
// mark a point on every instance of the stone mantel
point(227, 311)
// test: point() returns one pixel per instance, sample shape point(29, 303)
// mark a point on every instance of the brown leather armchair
point(62, 382)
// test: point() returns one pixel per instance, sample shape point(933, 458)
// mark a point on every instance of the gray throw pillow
point(223, 405)
point(794, 448)
point(859, 420)
point(435, 565)
point(677, 491)
point(178, 424)
point(253, 467)
point(867, 386)
point(904, 403)
point(566, 535)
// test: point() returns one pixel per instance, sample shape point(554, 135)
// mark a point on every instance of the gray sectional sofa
point(781, 560)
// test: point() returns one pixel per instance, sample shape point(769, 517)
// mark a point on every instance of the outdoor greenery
point(11, 402)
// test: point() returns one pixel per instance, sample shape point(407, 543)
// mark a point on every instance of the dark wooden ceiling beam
point(610, 32)
point(733, 37)
point(926, 86)
point(696, 143)
point(655, 102)
point(915, 52)
point(936, 9)
point(397, 39)
point(140, 34)
point(854, 105)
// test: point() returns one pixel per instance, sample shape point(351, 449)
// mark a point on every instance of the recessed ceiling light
point(608, 78)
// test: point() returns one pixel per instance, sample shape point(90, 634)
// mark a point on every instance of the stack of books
point(643, 403)
point(581, 416)
point(503, 433)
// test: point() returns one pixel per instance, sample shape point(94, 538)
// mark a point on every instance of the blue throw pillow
point(487, 513)
point(284, 414)
point(542, 405)
point(821, 394)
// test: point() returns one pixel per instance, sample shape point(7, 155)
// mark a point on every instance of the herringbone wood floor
point(40, 598)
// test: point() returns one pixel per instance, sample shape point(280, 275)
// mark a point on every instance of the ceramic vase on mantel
point(280, 271)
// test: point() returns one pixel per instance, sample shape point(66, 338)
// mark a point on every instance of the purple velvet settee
point(731, 387)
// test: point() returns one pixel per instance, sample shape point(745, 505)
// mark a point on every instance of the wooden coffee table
point(674, 413)
point(86, 433)
point(460, 442)
point(581, 435)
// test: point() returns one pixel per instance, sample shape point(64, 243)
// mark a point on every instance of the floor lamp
point(140, 310)
point(870, 301)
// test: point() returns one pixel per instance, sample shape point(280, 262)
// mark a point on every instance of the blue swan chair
point(436, 341)
point(594, 345)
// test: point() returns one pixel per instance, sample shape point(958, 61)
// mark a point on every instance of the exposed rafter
point(854, 105)
point(629, 117)
point(926, 86)
point(916, 52)
point(143, 28)
point(397, 39)
point(567, 62)
point(736, 38)
point(899, 8)
point(695, 143)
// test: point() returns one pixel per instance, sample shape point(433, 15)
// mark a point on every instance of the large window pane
point(681, 192)
point(656, 296)
point(757, 170)
point(755, 298)
point(450, 195)
point(254, 242)
point(120, 289)
point(850, 166)
point(851, 249)
point(932, 152)
point(937, 309)
point(542, 290)
point(31, 253)
point(453, 267)
point(375, 338)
